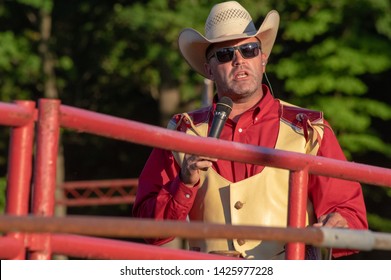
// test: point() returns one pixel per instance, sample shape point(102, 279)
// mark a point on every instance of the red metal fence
point(36, 234)
point(98, 192)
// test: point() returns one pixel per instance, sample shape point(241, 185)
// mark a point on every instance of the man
point(234, 54)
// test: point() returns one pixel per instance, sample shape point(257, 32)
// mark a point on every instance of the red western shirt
point(161, 194)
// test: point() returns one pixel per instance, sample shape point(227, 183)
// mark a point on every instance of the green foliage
point(317, 23)
point(379, 223)
point(325, 60)
point(353, 119)
point(361, 143)
point(353, 113)
point(46, 5)
point(19, 67)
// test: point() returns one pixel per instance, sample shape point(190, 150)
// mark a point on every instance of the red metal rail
point(99, 192)
point(87, 247)
point(118, 227)
point(172, 140)
point(51, 116)
point(149, 135)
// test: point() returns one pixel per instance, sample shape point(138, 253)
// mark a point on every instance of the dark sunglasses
point(248, 50)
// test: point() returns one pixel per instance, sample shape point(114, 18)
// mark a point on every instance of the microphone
point(223, 109)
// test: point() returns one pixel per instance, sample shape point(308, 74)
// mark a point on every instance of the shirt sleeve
point(330, 195)
point(160, 194)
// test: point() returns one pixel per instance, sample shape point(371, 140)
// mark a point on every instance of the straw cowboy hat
point(226, 21)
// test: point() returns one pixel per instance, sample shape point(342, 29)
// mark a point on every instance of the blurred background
point(121, 58)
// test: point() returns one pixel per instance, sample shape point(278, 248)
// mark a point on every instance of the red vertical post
point(11, 247)
point(297, 209)
point(20, 158)
point(45, 172)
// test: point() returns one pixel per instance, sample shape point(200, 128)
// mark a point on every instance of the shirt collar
point(261, 109)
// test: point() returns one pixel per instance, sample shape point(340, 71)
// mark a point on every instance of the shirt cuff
point(185, 195)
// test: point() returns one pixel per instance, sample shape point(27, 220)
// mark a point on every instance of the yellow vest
point(260, 200)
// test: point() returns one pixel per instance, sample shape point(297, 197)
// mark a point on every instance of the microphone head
point(223, 109)
point(224, 105)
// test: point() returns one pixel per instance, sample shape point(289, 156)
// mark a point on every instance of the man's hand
point(191, 166)
point(332, 220)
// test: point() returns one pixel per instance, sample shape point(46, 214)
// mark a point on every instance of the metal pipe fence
point(39, 232)
point(98, 192)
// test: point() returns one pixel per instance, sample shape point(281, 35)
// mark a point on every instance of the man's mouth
point(241, 75)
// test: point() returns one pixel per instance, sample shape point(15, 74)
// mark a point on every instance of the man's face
point(240, 78)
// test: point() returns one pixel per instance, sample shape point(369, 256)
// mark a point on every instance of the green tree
point(331, 59)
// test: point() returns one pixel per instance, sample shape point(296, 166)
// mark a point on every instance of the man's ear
point(208, 71)
point(264, 61)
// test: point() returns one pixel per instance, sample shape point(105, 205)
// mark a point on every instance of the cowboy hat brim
point(193, 45)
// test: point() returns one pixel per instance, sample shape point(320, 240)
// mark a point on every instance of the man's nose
point(238, 58)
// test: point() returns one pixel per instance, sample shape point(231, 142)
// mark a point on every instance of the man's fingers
point(332, 220)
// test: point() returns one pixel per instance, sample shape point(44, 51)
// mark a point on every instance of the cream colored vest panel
point(260, 200)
